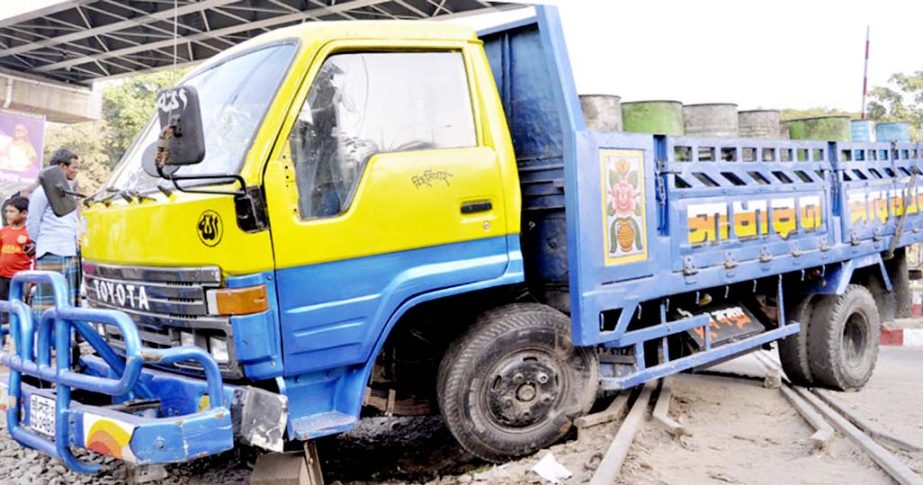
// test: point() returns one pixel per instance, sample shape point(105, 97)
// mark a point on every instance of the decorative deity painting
point(624, 216)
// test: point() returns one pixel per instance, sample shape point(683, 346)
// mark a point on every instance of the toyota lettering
point(130, 296)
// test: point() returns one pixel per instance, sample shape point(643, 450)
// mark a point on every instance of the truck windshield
point(234, 96)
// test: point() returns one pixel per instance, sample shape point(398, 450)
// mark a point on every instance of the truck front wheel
point(843, 339)
point(514, 382)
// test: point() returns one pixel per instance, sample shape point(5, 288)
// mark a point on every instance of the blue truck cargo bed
point(613, 220)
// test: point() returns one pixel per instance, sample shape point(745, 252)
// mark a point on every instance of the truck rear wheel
point(843, 339)
point(793, 350)
point(514, 382)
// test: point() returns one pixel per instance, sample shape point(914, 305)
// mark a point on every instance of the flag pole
point(865, 71)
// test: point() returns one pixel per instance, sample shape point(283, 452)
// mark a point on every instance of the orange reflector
point(239, 301)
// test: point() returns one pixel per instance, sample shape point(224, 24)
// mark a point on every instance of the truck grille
point(163, 302)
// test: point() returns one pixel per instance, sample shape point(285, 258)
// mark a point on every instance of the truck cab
point(380, 161)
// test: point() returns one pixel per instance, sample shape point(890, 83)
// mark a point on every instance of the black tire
point(843, 339)
point(514, 382)
point(793, 350)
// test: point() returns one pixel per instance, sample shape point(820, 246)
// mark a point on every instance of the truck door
point(381, 190)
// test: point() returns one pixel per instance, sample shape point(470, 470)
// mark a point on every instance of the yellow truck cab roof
point(324, 31)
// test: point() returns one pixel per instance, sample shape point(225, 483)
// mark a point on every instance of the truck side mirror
point(182, 140)
point(57, 190)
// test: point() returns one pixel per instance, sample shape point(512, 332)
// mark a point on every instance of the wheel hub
point(524, 388)
point(526, 393)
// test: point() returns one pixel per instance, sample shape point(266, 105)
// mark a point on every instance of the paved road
point(893, 397)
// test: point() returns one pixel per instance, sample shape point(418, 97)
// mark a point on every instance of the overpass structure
point(50, 57)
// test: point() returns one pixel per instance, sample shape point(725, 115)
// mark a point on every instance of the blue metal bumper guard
point(136, 438)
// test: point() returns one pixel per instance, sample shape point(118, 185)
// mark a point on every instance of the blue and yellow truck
point(341, 218)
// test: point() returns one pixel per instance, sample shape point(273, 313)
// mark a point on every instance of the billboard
point(21, 144)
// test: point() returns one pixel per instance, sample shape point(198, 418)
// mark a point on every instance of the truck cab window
point(367, 103)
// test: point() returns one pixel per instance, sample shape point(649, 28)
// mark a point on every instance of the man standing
point(55, 237)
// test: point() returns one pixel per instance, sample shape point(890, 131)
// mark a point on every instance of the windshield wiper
point(164, 190)
point(113, 193)
point(141, 197)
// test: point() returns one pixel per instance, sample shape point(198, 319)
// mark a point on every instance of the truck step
point(322, 424)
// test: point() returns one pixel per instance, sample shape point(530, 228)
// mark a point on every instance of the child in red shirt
point(14, 241)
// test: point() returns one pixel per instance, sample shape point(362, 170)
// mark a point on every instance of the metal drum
point(898, 131)
point(602, 112)
point(661, 117)
point(862, 130)
point(759, 123)
point(827, 128)
point(713, 119)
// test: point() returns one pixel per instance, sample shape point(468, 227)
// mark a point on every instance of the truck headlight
point(218, 347)
point(186, 338)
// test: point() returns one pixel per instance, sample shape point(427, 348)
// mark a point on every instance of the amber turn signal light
point(238, 301)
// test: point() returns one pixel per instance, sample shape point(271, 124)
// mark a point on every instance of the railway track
point(821, 410)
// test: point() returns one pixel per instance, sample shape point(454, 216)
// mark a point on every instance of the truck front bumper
point(113, 405)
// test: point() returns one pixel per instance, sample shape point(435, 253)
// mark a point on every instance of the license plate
point(728, 323)
point(41, 415)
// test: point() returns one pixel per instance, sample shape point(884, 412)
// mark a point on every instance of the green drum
point(661, 117)
point(826, 128)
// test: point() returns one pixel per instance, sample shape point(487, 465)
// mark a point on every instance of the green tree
point(794, 114)
point(127, 107)
point(88, 141)
point(900, 100)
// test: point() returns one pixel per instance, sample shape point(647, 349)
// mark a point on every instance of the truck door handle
point(475, 207)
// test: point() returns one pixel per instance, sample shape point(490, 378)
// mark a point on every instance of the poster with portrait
point(21, 144)
point(624, 215)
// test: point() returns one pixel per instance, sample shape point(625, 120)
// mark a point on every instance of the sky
point(759, 54)
point(756, 53)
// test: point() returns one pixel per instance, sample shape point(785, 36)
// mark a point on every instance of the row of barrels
point(608, 113)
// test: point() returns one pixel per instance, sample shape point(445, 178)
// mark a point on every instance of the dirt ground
point(741, 433)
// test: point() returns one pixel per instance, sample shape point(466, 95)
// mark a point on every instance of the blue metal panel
point(782, 204)
point(257, 339)
point(519, 54)
point(755, 178)
point(838, 276)
point(334, 313)
point(876, 185)
point(734, 178)
point(328, 401)
point(197, 436)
